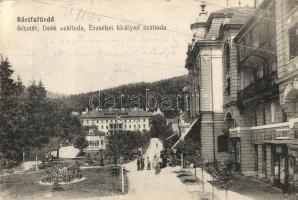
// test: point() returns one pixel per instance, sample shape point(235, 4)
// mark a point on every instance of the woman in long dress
point(155, 164)
point(148, 163)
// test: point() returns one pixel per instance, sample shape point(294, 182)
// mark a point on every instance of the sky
point(71, 62)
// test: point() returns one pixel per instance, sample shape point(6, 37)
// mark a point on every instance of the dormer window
point(91, 132)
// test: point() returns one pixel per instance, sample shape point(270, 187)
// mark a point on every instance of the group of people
point(62, 173)
point(141, 163)
point(155, 163)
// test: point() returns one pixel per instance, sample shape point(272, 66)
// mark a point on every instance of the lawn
point(99, 182)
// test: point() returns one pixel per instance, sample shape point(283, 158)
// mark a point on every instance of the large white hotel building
point(110, 120)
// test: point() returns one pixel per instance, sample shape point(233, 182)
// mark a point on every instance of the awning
point(184, 135)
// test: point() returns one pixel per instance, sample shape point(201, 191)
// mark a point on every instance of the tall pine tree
point(11, 94)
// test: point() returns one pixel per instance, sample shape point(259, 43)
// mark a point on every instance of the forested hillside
point(168, 91)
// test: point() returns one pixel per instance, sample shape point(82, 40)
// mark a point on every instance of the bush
point(221, 175)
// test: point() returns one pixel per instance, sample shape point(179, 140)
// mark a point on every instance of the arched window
point(227, 55)
point(223, 143)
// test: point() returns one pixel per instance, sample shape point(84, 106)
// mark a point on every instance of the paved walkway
point(146, 185)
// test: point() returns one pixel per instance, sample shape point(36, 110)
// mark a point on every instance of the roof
point(108, 113)
point(213, 32)
point(97, 133)
point(231, 16)
point(242, 16)
point(252, 19)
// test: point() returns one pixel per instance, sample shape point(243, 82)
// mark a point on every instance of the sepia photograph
point(149, 99)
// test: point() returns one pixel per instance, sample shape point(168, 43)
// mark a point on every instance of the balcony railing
point(270, 135)
point(258, 88)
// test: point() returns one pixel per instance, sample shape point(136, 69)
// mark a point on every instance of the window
point(107, 127)
point(256, 165)
point(272, 112)
point(101, 142)
point(227, 55)
point(144, 126)
point(129, 126)
point(96, 143)
point(264, 114)
point(284, 116)
point(255, 118)
point(228, 89)
point(293, 42)
point(101, 126)
point(222, 143)
point(91, 143)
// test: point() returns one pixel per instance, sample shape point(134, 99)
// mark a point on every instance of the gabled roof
point(230, 16)
point(122, 113)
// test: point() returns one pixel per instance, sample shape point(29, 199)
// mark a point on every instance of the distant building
point(109, 121)
point(96, 139)
point(174, 124)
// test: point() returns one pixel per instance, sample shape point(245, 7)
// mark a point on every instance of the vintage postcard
point(149, 99)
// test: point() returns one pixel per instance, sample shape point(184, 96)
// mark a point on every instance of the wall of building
point(207, 138)
point(246, 154)
point(95, 142)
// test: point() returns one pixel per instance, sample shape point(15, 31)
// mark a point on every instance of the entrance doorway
point(235, 153)
point(280, 166)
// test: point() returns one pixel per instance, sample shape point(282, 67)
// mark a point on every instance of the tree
point(190, 150)
point(11, 99)
point(80, 143)
point(126, 143)
point(158, 126)
point(29, 121)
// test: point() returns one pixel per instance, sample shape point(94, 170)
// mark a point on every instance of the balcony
point(272, 134)
point(278, 133)
point(258, 89)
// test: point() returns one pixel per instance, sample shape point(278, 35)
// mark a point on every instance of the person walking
point(138, 163)
point(148, 163)
point(142, 163)
point(156, 164)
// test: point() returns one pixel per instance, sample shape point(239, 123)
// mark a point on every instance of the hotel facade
point(257, 80)
point(109, 121)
